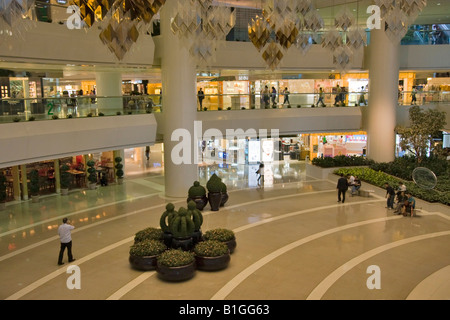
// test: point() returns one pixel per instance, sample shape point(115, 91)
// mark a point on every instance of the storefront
point(48, 171)
point(338, 144)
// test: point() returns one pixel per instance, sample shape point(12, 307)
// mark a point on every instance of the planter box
point(323, 173)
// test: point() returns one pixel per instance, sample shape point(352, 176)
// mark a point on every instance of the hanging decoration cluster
point(398, 15)
point(121, 21)
point(343, 39)
point(13, 15)
point(284, 23)
point(204, 26)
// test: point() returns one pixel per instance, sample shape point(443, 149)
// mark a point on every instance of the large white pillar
point(109, 84)
point(179, 79)
point(383, 87)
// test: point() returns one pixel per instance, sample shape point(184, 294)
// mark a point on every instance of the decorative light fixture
point(398, 15)
point(205, 25)
point(13, 15)
point(287, 23)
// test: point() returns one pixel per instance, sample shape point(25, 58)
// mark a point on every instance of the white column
point(383, 88)
point(109, 84)
point(179, 79)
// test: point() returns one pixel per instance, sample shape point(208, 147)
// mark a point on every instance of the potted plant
point(182, 227)
point(197, 193)
point(65, 179)
point(214, 186)
point(224, 194)
point(176, 265)
point(196, 217)
point(119, 170)
point(148, 234)
point(2, 191)
point(224, 235)
point(211, 255)
point(34, 185)
point(164, 223)
point(92, 175)
point(143, 254)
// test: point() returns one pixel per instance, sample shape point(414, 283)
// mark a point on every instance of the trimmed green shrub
point(176, 258)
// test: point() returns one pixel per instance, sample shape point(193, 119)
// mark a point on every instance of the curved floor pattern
point(293, 233)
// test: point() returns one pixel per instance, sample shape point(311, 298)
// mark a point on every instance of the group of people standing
point(402, 199)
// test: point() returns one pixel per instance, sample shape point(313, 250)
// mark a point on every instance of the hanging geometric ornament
point(186, 22)
point(203, 51)
point(304, 6)
point(313, 21)
point(13, 17)
point(287, 34)
point(385, 6)
point(92, 11)
point(412, 8)
point(259, 32)
point(344, 20)
point(272, 55)
point(332, 40)
point(396, 24)
point(342, 58)
point(304, 41)
point(356, 37)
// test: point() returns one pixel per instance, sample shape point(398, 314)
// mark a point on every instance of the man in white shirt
point(64, 232)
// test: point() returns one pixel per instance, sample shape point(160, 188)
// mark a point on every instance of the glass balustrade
point(16, 110)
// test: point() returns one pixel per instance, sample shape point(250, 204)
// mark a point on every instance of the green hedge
point(378, 178)
point(342, 161)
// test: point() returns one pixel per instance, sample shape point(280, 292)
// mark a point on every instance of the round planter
point(120, 180)
point(215, 198)
point(2, 205)
point(224, 199)
point(185, 244)
point(145, 263)
point(200, 202)
point(231, 245)
point(212, 263)
point(176, 273)
point(92, 186)
point(64, 192)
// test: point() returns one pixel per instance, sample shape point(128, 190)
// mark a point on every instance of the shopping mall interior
point(135, 102)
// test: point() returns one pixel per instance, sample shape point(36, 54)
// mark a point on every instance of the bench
point(365, 193)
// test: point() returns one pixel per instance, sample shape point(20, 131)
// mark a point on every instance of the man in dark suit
point(342, 187)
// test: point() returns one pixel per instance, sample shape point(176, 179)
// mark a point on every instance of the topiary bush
point(66, 177)
point(2, 187)
point(219, 234)
point(211, 248)
point(119, 167)
point(148, 234)
point(166, 217)
point(34, 183)
point(147, 248)
point(214, 184)
point(92, 173)
point(196, 190)
point(176, 258)
point(182, 226)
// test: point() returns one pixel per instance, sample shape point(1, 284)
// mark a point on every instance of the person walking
point(274, 96)
point(321, 97)
point(266, 97)
point(65, 236)
point(342, 187)
point(390, 196)
point(286, 97)
point(362, 99)
point(413, 96)
point(261, 175)
point(201, 96)
point(147, 152)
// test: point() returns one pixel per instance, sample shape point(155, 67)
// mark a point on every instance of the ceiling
point(437, 11)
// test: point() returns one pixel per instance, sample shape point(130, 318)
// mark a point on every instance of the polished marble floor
point(294, 242)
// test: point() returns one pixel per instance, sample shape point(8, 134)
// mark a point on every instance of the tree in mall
point(418, 137)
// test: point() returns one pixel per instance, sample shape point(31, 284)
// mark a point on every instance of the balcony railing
point(16, 110)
